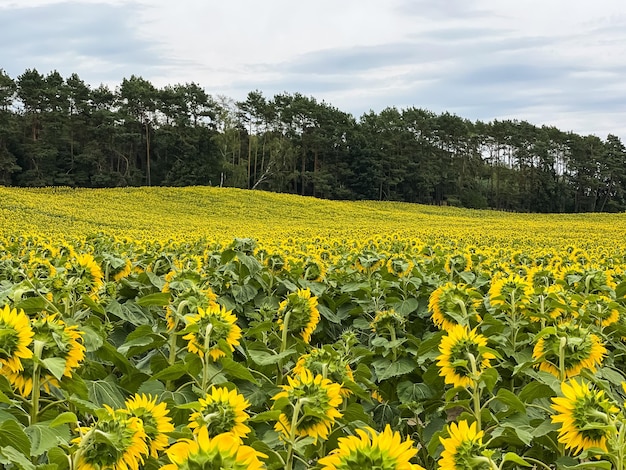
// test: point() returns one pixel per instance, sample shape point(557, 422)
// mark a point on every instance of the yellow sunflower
point(16, 335)
point(458, 263)
point(86, 273)
point(372, 450)
point(59, 341)
point(584, 414)
point(154, 419)
point(116, 441)
point(209, 329)
point(600, 309)
point(508, 292)
point(299, 312)
point(463, 356)
point(222, 452)
point(329, 363)
point(574, 345)
point(452, 304)
point(307, 392)
point(399, 266)
point(221, 411)
point(463, 445)
point(314, 269)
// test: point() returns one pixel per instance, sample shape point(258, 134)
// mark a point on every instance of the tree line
point(62, 131)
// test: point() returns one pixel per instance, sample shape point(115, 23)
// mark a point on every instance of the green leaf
point(511, 400)
point(245, 293)
point(42, 437)
point(32, 304)
point(535, 390)
point(407, 306)
point(56, 365)
point(16, 458)
point(159, 299)
point(385, 369)
point(266, 416)
point(409, 392)
point(173, 372)
point(236, 370)
point(102, 392)
point(59, 457)
point(12, 434)
point(265, 358)
point(490, 377)
point(603, 464)
point(64, 418)
point(513, 457)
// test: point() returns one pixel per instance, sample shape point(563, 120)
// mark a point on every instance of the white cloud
point(556, 62)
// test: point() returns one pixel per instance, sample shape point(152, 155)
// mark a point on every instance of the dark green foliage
point(56, 131)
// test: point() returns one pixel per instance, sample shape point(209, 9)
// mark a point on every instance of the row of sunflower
point(384, 353)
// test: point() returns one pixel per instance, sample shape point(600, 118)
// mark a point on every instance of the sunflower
point(452, 304)
point(584, 414)
point(329, 364)
point(154, 420)
point(600, 309)
point(221, 411)
point(116, 441)
point(299, 312)
point(399, 266)
point(209, 329)
point(459, 349)
point(372, 450)
point(86, 273)
point(317, 394)
point(510, 291)
point(388, 322)
point(462, 447)
point(59, 341)
point(575, 346)
point(16, 335)
point(458, 263)
point(314, 269)
point(222, 452)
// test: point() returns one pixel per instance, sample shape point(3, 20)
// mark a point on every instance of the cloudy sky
point(553, 62)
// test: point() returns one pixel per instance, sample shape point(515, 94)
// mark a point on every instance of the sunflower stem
point(205, 358)
point(562, 344)
point(292, 434)
point(34, 397)
point(475, 391)
point(172, 350)
point(283, 347)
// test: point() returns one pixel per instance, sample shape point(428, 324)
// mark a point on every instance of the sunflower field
point(208, 328)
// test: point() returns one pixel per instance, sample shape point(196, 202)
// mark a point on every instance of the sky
point(550, 62)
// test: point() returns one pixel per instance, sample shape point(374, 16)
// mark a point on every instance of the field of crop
point(207, 328)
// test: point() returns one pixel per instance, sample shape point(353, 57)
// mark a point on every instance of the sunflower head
point(314, 269)
point(54, 339)
point(276, 263)
point(461, 448)
point(220, 411)
point(584, 414)
point(327, 362)
point(453, 304)
point(84, 275)
point(216, 453)
point(116, 441)
point(211, 331)
point(314, 399)
point(509, 291)
point(154, 418)
point(399, 266)
point(388, 323)
point(16, 335)
point(569, 346)
point(458, 263)
point(464, 356)
point(299, 314)
point(600, 309)
point(369, 449)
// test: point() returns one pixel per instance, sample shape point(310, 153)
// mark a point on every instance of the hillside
point(225, 213)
